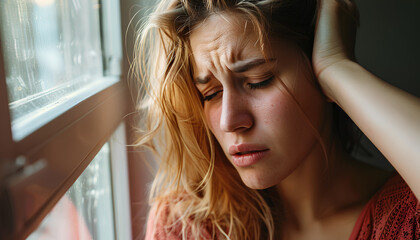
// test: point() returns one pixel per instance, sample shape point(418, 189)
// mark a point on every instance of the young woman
point(242, 108)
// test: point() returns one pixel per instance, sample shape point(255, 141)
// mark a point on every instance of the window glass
point(53, 58)
point(86, 211)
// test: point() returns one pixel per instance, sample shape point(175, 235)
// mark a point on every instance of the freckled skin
point(268, 115)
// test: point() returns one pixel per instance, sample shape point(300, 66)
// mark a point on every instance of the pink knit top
point(392, 213)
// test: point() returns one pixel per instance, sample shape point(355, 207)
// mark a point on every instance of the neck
point(315, 189)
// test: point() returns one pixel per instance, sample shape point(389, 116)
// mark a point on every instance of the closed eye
point(252, 86)
point(211, 96)
point(261, 84)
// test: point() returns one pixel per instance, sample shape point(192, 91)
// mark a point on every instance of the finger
point(349, 7)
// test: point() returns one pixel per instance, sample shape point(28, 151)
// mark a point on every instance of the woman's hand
point(335, 36)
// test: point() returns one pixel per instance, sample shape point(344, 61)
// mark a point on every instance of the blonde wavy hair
point(194, 179)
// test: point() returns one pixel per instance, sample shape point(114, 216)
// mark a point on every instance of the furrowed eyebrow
point(246, 65)
point(239, 67)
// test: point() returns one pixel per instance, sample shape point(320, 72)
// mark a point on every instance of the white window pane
point(53, 56)
point(86, 211)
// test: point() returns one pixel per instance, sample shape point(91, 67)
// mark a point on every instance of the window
point(88, 209)
point(62, 97)
point(85, 211)
point(53, 58)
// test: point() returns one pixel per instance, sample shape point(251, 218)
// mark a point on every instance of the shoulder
point(158, 225)
point(166, 223)
point(392, 213)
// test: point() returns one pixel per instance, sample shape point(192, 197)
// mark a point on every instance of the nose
point(236, 115)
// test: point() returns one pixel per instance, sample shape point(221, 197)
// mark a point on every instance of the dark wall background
point(388, 41)
point(388, 45)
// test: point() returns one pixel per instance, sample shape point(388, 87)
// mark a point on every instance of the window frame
point(36, 171)
point(120, 183)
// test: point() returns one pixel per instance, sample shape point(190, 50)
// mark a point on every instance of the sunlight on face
point(258, 124)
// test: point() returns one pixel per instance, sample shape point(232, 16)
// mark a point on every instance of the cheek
point(273, 104)
point(277, 111)
point(212, 114)
point(282, 120)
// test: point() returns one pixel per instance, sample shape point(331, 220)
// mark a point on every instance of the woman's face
point(257, 123)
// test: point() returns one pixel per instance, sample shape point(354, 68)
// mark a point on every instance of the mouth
point(248, 152)
point(243, 149)
point(244, 155)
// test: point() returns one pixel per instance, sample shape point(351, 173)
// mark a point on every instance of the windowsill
point(28, 123)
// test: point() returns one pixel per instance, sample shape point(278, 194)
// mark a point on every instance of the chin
point(258, 181)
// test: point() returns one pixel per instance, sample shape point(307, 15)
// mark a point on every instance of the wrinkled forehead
point(227, 35)
point(233, 22)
